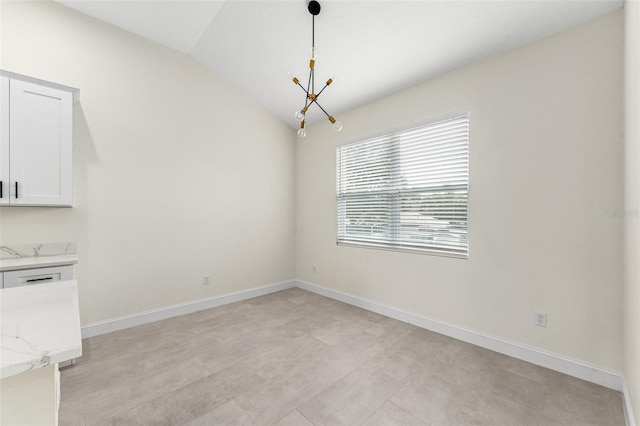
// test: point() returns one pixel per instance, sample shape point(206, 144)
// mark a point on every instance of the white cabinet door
point(4, 140)
point(40, 152)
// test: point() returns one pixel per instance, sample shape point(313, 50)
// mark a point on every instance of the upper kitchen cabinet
point(36, 122)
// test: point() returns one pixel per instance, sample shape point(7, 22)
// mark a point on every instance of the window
point(407, 190)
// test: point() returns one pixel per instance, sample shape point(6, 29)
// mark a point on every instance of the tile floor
point(296, 358)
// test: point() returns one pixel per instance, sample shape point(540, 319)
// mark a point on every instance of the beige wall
point(176, 174)
point(546, 151)
point(632, 198)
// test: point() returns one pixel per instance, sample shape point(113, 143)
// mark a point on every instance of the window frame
point(395, 244)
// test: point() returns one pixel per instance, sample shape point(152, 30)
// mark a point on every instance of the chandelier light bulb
point(299, 115)
point(336, 124)
point(302, 132)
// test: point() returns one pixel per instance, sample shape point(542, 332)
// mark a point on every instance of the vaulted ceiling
point(374, 48)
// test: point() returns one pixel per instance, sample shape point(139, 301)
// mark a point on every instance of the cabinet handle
point(1, 186)
point(33, 280)
point(16, 189)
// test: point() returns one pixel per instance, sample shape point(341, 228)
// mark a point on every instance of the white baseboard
point(153, 315)
point(628, 411)
point(582, 370)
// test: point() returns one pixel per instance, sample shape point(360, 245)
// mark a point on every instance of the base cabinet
point(31, 398)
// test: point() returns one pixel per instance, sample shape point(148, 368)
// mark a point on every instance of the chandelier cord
point(313, 31)
point(312, 75)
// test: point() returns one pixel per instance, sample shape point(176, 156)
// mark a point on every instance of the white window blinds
point(407, 190)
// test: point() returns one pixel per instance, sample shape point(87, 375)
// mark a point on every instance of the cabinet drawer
point(38, 276)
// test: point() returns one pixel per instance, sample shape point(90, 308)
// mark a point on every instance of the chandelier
point(311, 97)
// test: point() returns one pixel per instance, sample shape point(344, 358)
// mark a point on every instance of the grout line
point(308, 419)
point(408, 412)
point(245, 410)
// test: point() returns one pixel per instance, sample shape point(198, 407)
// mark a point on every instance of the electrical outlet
point(540, 319)
point(206, 279)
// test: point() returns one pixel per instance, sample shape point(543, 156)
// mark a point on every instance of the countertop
point(37, 262)
point(40, 326)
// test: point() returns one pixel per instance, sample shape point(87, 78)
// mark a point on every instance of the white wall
point(546, 151)
point(176, 174)
point(632, 207)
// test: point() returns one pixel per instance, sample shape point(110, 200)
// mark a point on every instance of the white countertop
point(37, 262)
point(40, 326)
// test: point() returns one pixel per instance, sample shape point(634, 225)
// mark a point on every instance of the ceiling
point(374, 48)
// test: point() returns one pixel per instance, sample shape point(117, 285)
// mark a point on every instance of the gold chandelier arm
point(316, 102)
point(325, 86)
point(303, 89)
